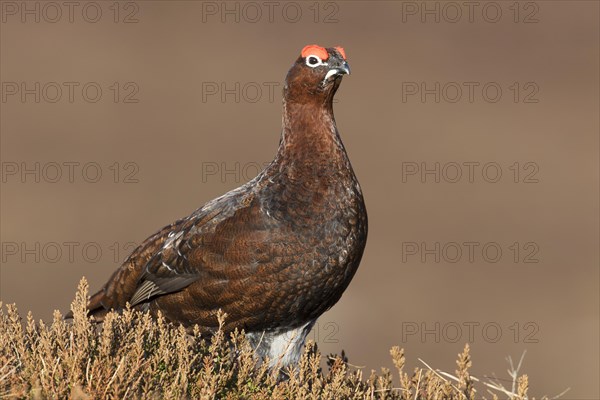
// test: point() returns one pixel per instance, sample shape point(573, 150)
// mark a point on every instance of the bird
point(273, 254)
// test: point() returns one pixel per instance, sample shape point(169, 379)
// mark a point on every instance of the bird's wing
point(232, 254)
point(195, 249)
point(169, 270)
point(124, 281)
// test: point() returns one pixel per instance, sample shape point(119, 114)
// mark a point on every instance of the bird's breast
point(323, 228)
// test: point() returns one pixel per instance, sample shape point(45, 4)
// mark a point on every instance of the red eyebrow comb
point(314, 50)
point(341, 51)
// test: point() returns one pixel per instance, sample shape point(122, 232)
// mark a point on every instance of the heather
point(135, 356)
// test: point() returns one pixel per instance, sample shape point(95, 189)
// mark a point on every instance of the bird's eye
point(313, 61)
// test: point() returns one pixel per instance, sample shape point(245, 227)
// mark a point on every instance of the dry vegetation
point(134, 356)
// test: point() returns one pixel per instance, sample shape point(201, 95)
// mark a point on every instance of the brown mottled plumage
point(275, 253)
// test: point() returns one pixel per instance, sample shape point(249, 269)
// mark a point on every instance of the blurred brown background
point(166, 138)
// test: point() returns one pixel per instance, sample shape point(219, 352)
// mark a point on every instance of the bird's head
point(316, 74)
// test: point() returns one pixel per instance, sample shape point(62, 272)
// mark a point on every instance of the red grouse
point(275, 253)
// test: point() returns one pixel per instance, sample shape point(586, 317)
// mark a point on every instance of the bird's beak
point(344, 68)
point(341, 68)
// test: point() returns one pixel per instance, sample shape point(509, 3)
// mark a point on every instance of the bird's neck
point(309, 135)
